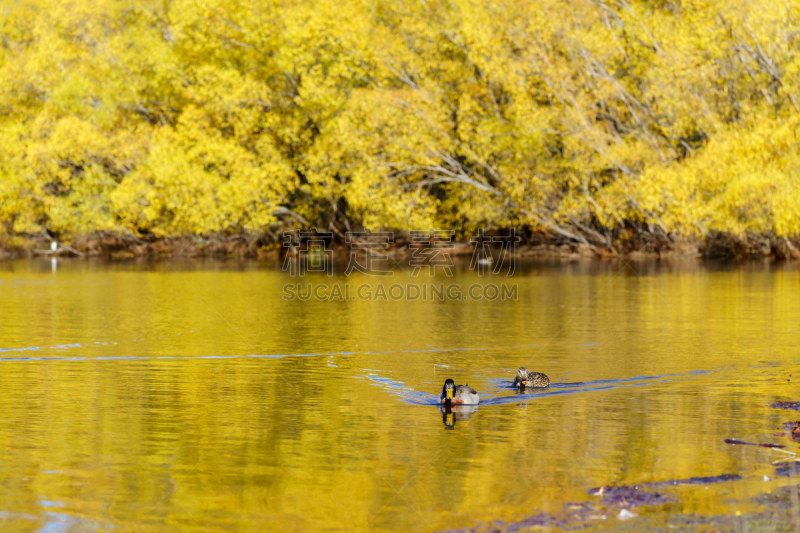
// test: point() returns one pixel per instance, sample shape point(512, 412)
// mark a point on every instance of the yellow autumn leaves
point(150, 119)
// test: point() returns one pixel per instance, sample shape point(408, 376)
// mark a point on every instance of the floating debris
point(627, 496)
point(762, 444)
point(702, 480)
point(615, 502)
point(792, 430)
point(788, 469)
point(498, 526)
point(786, 405)
point(785, 496)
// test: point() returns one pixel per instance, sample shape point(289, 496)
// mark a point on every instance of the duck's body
point(453, 394)
point(531, 379)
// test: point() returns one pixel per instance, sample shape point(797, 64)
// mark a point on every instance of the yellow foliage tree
point(148, 120)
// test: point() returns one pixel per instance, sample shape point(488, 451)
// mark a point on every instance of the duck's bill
point(449, 395)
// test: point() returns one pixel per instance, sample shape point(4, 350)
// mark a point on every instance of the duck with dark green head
point(458, 394)
point(536, 380)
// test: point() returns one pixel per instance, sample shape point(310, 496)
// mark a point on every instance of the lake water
point(190, 395)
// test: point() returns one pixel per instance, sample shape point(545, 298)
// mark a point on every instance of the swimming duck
point(531, 379)
point(458, 394)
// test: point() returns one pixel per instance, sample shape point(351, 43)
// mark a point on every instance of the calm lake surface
point(191, 396)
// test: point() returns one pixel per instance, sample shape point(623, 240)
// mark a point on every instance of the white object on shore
point(766, 478)
point(54, 246)
point(625, 515)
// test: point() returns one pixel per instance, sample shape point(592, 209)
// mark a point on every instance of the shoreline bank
point(721, 246)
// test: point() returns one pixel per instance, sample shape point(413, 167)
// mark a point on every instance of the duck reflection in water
point(451, 413)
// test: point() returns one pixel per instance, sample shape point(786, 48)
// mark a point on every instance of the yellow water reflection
point(192, 396)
